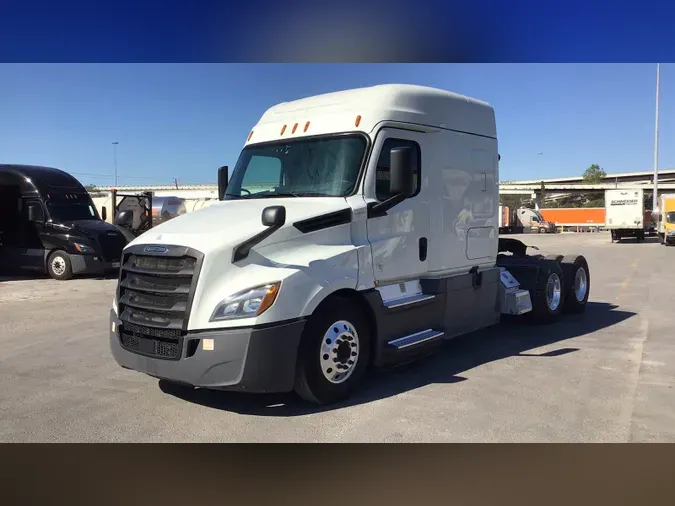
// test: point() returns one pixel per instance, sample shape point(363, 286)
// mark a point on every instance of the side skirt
point(414, 317)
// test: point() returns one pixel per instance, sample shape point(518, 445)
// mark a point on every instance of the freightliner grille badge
point(155, 249)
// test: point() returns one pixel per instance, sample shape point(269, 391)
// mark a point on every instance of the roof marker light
point(306, 126)
point(249, 136)
point(295, 127)
point(283, 129)
point(358, 120)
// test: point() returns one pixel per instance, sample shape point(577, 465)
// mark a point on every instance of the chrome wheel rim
point(553, 291)
point(580, 284)
point(58, 266)
point(339, 352)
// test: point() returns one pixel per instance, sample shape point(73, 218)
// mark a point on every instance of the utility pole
point(655, 200)
point(115, 159)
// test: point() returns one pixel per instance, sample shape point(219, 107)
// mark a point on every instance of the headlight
point(247, 304)
point(83, 248)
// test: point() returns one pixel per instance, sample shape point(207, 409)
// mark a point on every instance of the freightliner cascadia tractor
point(357, 230)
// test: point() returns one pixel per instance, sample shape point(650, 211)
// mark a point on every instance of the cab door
point(399, 240)
point(22, 246)
point(31, 248)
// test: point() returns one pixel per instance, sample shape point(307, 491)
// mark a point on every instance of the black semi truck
point(49, 224)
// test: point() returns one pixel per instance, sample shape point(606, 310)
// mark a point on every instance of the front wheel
point(334, 353)
point(59, 266)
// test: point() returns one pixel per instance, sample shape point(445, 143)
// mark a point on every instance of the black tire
point(662, 238)
point(542, 312)
point(59, 266)
point(571, 265)
point(310, 382)
point(542, 230)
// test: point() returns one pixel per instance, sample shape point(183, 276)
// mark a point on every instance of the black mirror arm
point(379, 209)
point(242, 251)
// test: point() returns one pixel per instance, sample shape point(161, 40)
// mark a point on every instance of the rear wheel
point(59, 266)
point(577, 283)
point(548, 295)
point(334, 352)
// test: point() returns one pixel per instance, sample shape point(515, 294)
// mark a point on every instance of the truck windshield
point(670, 217)
point(73, 211)
point(318, 167)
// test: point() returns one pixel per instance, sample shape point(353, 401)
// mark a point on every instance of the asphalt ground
point(604, 376)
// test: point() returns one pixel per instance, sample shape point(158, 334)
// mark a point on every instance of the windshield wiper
point(233, 196)
point(289, 194)
point(280, 194)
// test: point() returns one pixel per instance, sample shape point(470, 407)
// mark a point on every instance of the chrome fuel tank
point(166, 208)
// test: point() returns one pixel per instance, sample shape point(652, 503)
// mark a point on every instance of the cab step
point(418, 338)
point(408, 301)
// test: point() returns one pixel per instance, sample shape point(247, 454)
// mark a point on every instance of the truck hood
point(227, 223)
point(86, 228)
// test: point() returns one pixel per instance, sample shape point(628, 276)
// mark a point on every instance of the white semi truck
point(625, 214)
point(523, 221)
point(376, 242)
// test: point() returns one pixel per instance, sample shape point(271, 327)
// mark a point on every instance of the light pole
point(115, 144)
point(655, 200)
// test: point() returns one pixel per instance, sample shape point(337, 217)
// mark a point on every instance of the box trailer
point(377, 242)
point(578, 217)
point(666, 219)
point(624, 213)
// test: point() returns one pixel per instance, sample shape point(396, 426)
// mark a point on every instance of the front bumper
point(91, 264)
point(249, 359)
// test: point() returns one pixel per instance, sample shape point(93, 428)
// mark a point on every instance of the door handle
point(423, 248)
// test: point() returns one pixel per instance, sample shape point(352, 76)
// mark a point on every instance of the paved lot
point(606, 376)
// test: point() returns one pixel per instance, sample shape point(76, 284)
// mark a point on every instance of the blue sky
point(185, 120)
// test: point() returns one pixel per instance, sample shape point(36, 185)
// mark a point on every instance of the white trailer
point(625, 213)
point(375, 240)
